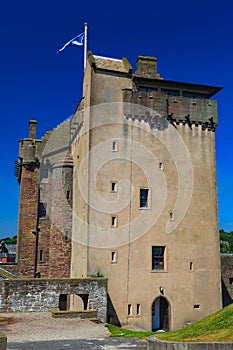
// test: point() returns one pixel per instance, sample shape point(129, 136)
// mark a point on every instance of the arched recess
point(77, 302)
point(160, 314)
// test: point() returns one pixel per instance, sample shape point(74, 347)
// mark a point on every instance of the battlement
point(175, 109)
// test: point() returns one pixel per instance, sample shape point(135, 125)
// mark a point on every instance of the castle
point(126, 189)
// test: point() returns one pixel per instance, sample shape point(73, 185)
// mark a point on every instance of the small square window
point(114, 256)
point(160, 166)
point(196, 306)
point(113, 186)
point(114, 221)
point(144, 197)
point(171, 215)
point(158, 254)
point(114, 146)
point(42, 210)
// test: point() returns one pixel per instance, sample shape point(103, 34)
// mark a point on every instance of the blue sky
point(193, 41)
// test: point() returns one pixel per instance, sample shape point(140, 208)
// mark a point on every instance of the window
point(130, 310)
point(147, 89)
point(158, 258)
point(196, 306)
point(41, 255)
point(114, 221)
point(114, 256)
point(171, 216)
point(68, 195)
point(113, 186)
point(231, 280)
point(191, 267)
point(138, 309)
point(66, 235)
point(114, 146)
point(144, 197)
point(44, 173)
point(42, 210)
point(171, 92)
point(193, 95)
point(160, 166)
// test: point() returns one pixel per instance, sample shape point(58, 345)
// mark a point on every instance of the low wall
point(23, 295)
point(155, 344)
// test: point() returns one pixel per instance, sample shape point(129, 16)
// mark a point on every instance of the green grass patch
point(121, 332)
point(217, 327)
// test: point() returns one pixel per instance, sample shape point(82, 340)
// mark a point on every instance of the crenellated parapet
point(191, 111)
point(155, 106)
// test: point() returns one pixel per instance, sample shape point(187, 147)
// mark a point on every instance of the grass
point(217, 327)
point(121, 332)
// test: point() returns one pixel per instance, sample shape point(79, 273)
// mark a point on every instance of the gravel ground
point(36, 326)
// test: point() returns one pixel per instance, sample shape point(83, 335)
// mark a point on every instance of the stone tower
point(144, 150)
point(44, 172)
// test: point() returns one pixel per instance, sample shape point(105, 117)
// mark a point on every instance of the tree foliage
point(10, 240)
point(226, 242)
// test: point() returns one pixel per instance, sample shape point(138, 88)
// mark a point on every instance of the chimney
point(32, 129)
point(147, 67)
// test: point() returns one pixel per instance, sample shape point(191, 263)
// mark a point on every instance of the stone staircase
point(6, 275)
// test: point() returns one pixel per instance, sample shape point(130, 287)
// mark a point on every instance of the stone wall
point(24, 295)
point(27, 221)
point(61, 219)
point(176, 109)
point(154, 344)
point(227, 278)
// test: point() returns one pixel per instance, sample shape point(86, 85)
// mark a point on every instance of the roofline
point(208, 90)
point(123, 60)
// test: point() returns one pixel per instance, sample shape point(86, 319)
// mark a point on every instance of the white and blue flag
point(77, 40)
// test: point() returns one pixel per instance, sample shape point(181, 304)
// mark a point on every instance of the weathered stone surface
point(155, 344)
point(85, 314)
point(227, 278)
point(43, 294)
point(3, 341)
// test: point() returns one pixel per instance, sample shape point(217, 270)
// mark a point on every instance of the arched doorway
point(160, 314)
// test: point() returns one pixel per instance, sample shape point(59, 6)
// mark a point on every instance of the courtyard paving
point(40, 331)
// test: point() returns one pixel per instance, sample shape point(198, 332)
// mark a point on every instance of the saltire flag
point(77, 40)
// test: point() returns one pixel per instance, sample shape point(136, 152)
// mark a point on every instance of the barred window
point(158, 257)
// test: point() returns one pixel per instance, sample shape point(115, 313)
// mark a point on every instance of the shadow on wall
point(112, 317)
point(226, 298)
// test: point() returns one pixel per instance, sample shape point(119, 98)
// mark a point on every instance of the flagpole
point(85, 45)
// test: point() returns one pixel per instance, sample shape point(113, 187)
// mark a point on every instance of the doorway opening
point(73, 302)
point(160, 314)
